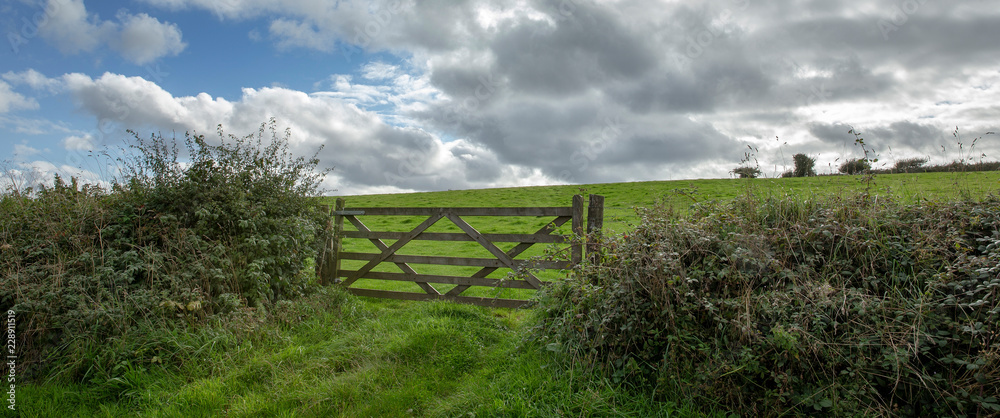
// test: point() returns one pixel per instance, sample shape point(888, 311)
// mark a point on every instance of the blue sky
point(431, 95)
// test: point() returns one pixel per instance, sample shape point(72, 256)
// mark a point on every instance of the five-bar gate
point(329, 265)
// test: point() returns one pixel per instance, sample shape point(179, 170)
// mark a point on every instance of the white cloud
point(293, 34)
point(144, 39)
point(22, 151)
point(379, 71)
point(11, 100)
point(368, 153)
point(33, 79)
point(70, 29)
point(138, 38)
point(42, 173)
point(85, 142)
point(356, 93)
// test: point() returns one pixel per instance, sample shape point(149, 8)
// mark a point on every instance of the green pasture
point(621, 201)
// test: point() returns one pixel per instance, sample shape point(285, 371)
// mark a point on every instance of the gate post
point(338, 240)
point(328, 264)
point(595, 222)
point(578, 232)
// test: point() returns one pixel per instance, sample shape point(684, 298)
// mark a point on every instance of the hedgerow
point(193, 229)
point(771, 306)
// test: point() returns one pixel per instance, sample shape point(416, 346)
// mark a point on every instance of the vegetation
point(770, 305)
point(909, 165)
point(171, 244)
point(331, 354)
point(855, 166)
point(804, 165)
point(747, 172)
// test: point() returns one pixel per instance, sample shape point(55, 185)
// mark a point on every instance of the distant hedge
point(768, 306)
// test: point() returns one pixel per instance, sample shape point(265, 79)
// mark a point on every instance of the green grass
point(361, 358)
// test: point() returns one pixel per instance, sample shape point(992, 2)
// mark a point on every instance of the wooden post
point(595, 223)
point(578, 233)
point(324, 251)
point(338, 241)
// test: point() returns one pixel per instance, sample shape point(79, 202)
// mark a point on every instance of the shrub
point(747, 172)
point(909, 165)
point(253, 198)
point(174, 242)
point(769, 306)
point(855, 166)
point(804, 165)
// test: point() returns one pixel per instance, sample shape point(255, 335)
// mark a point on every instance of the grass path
point(358, 358)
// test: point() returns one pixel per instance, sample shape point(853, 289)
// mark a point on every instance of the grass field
point(332, 354)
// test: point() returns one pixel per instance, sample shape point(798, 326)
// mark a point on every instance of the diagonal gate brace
point(497, 252)
point(392, 249)
point(427, 287)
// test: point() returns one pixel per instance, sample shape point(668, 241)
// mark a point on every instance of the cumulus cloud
point(85, 142)
point(138, 38)
point(71, 29)
point(22, 151)
point(34, 79)
point(368, 153)
point(144, 39)
point(11, 100)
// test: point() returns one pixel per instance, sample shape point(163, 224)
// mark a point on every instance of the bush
point(804, 165)
point(909, 165)
point(855, 166)
point(747, 172)
point(252, 198)
point(175, 241)
point(768, 306)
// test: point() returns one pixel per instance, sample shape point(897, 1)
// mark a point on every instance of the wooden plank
point(455, 280)
point(492, 248)
point(342, 212)
point(514, 252)
point(454, 261)
point(487, 302)
point(427, 287)
point(395, 246)
point(458, 236)
point(539, 211)
point(577, 247)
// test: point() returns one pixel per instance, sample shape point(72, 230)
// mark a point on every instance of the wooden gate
point(330, 271)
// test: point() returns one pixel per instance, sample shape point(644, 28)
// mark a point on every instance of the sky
point(407, 95)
